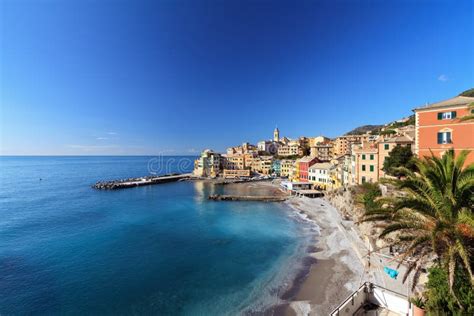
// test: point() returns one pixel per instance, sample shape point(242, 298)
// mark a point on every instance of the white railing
point(377, 295)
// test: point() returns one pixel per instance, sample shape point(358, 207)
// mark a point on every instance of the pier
point(136, 182)
point(261, 198)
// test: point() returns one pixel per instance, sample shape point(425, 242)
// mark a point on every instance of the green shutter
point(371, 168)
point(453, 114)
point(440, 138)
point(440, 116)
point(363, 157)
point(363, 167)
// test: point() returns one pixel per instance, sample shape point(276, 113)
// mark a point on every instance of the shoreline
point(330, 267)
point(336, 267)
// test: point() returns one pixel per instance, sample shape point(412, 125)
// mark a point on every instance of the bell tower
point(276, 135)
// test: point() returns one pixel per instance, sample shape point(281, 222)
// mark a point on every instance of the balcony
point(371, 299)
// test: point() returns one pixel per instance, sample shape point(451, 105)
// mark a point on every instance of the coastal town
point(321, 163)
point(355, 173)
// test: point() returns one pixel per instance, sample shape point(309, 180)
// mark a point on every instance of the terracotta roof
point(399, 139)
point(322, 165)
point(307, 159)
point(459, 100)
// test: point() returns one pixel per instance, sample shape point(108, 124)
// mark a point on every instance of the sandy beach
point(337, 270)
point(332, 268)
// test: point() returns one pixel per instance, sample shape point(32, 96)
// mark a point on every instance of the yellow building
point(287, 167)
point(208, 164)
point(318, 139)
point(322, 175)
point(233, 162)
point(342, 144)
point(366, 163)
point(229, 173)
point(292, 149)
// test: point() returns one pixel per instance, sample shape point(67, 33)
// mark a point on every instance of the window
point(371, 168)
point(446, 115)
point(386, 146)
point(363, 167)
point(363, 179)
point(371, 157)
point(363, 157)
point(444, 138)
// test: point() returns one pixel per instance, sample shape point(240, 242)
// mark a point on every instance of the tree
point(439, 298)
point(400, 156)
point(435, 219)
point(467, 93)
point(470, 115)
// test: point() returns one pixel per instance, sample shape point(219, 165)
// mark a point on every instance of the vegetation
point(470, 116)
point(364, 129)
point(418, 301)
point(400, 156)
point(435, 220)
point(441, 301)
point(468, 93)
point(410, 121)
point(387, 132)
point(368, 194)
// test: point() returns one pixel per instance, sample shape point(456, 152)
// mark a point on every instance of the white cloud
point(112, 133)
point(443, 78)
point(101, 138)
point(192, 150)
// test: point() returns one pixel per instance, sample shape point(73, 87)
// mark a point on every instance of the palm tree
point(435, 219)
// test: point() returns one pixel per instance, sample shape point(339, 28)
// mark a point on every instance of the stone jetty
point(262, 198)
point(136, 182)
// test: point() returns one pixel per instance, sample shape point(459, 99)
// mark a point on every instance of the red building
point(303, 166)
point(439, 128)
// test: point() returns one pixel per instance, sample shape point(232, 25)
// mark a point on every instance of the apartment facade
point(262, 164)
point(230, 174)
point(303, 166)
point(439, 128)
point(366, 163)
point(208, 164)
point(385, 146)
point(320, 174)
point(323, 151)
point(342, 144)
point(292, 149)
point(287, 167)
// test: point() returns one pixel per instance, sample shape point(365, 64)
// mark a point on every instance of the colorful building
point(439, 128)
point(230, 173)
point(385, 146)
point(287, 167)
point(208, 164)
point(303, 166)
point(342, 144)
point(321, 175)
point(276, 167)
point(366, 163)
point(323, 151)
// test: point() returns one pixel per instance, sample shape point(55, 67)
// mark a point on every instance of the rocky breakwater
point(135, 182)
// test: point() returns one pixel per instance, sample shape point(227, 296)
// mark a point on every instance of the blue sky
point(175, 77)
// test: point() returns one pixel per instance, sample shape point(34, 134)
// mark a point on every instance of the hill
point(468, 93)
point(364, 129)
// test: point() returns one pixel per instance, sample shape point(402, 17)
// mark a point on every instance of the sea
point(68, 249)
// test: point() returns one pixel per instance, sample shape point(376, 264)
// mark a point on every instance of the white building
point(320, 174)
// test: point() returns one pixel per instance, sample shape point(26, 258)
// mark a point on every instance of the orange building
point(438, 128)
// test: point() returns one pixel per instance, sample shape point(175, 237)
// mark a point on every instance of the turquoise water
point(66, 248)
